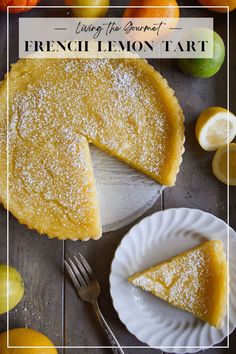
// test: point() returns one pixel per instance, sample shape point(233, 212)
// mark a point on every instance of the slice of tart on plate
point(194, 281)
point(191, 273)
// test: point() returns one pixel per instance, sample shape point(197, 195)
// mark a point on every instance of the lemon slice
point(215, 127)
point(219, 164)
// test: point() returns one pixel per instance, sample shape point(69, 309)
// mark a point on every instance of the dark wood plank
point(81, 327)
point(38, 259)
point(3, 256)
point(196, 186)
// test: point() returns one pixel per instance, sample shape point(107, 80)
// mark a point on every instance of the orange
point(152, 12)
point(5, 3)
point(24, 337)
point(230, 3)
point(164, 12)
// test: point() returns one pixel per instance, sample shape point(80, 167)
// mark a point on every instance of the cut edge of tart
point(171, 101)
point(195, 281)
point(54, 192)
point(176, 127)
point(36, 86)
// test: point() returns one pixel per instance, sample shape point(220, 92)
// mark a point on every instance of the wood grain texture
point(196, 186)
point(79, 315)
point(50, 303)
point(38, 259)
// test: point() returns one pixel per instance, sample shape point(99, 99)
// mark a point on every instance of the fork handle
point(108, 332)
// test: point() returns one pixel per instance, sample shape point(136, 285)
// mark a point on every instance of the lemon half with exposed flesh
point(223, 159)
point(215, 127)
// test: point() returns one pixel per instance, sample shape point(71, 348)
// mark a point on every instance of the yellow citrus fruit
point(89, 11)
point(15, 286)
point(23, 337)
point(216, 126)
point(220, 164)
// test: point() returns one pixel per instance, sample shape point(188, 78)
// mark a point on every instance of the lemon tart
point(56, 107)
point(194, 281)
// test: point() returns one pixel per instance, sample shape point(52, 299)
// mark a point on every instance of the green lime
point(204, 67)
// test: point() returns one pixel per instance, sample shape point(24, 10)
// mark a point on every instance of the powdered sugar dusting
point(54, 105)
point(184, 281)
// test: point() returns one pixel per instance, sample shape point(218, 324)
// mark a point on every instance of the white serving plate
point(155, 239)
point(124, 193)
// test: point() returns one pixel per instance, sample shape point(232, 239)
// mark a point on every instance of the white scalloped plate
point(153, 240)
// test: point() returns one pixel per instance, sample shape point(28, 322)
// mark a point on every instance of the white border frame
point(228, 214)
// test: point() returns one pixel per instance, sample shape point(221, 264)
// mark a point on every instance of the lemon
point(216, 126)
point(205, 67)
point(24, 337)
point(15, 286)
point(220, 164)
point(91, 10)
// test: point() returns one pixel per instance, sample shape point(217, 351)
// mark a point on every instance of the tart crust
point(58, 106)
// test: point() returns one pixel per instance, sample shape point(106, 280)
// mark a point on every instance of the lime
point(15, 286)
point(204, 67)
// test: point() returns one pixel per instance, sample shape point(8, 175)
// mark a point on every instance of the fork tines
point(80, 271)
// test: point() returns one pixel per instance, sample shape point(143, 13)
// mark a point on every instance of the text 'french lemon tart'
point(195, 281)
point(58, 106)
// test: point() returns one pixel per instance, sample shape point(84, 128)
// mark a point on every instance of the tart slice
point(194, 281)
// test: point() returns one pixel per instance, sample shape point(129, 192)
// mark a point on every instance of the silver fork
point(88, 289)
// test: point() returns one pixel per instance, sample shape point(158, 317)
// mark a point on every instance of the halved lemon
point(215, 127)
point(220, 164)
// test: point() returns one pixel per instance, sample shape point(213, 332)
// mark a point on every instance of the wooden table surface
point(50, 303)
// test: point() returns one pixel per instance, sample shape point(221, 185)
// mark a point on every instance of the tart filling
point(194, 281)
point(56, 107)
